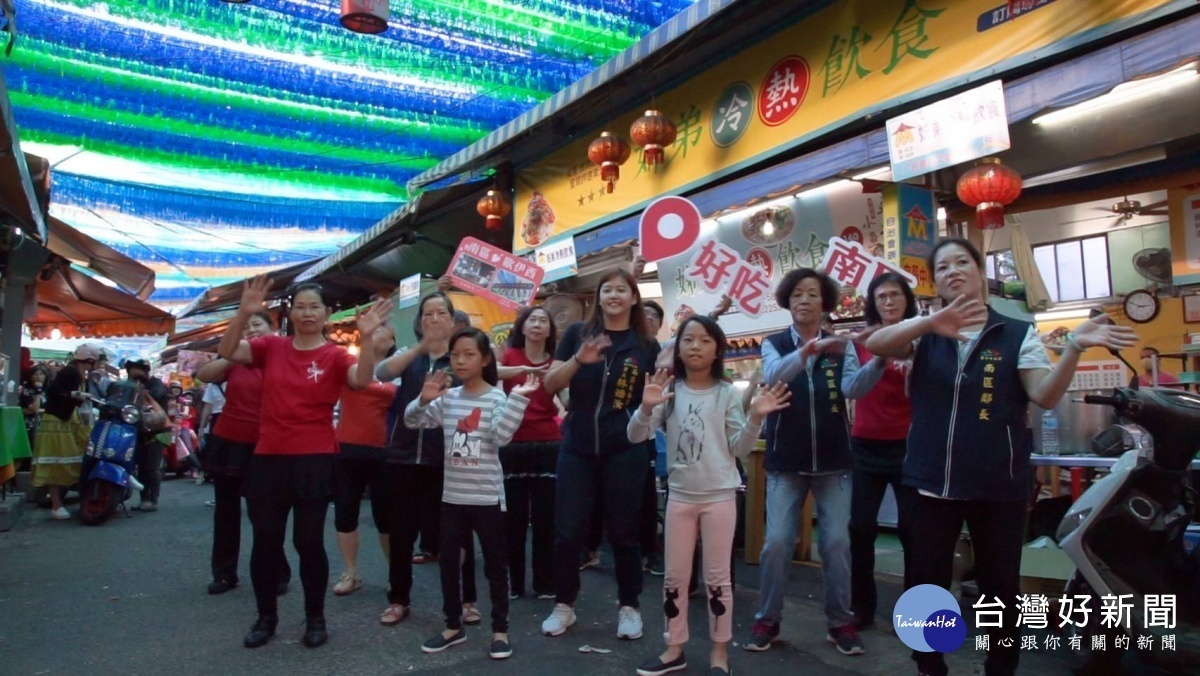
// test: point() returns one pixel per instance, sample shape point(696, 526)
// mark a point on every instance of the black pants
point(269, 519)
point(355, 476)
point(227, 531)
point(149, 470)
point(595, 529)
point(996, 532)
point(619, 480)
point(867, 492)
point(459, 522)
point(648, 519)
point(530, 502)
point(410, 487)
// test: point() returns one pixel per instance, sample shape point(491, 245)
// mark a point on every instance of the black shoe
point(439, 643)
point(762, 635)
point(654, 564)
point(282, 588)
point(499, 650)
point(221, 586)
point(657, 667)
point(261, 632)
point(315, 634)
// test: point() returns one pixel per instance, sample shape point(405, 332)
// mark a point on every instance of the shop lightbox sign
point(557, 259)
point(959, 129)
point(744, 254)
point(410, 292)
point(909, 231)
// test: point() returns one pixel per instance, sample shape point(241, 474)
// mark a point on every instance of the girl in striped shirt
point(477, 419)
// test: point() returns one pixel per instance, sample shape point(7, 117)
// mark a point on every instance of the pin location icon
point(668, 227)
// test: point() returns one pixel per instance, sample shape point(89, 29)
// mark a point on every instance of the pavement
point(129, 598)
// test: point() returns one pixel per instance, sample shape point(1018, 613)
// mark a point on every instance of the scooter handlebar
point(1102, 399)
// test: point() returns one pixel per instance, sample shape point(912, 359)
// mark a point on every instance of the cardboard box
point(1045, 568)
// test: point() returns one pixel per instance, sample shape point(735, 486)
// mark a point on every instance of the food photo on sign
point(494, 274)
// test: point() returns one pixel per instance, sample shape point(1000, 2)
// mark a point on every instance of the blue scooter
point(110, 461)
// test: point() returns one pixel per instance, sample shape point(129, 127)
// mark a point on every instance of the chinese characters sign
point(557, 259)
point(961, 128)
point(410, 292)
point(722, 270)
point(909, 230)
point(495, 274)
point(850, 264)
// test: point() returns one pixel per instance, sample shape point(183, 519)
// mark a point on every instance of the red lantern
point(653, 132)
point(989, 186)
point(610, 152)
point(494, 206)
point(365, 16)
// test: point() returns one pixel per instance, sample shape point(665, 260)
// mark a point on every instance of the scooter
point(110, 460)
point(1125, 534)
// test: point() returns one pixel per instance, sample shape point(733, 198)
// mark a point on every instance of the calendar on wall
point(1099, 375)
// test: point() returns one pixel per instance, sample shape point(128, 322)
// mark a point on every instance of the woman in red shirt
point(362, 436)
point(303, 376)
point(529, 462)
point(877, 441)
point(228, 454)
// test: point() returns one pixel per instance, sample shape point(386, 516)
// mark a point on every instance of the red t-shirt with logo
point(300, 389)
point(539, 423)
point(363, 418)
point(239, 419)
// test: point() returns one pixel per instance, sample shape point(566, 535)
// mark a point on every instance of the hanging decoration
point(653, 132)
point(989, 186)
point(609, 152)
point(494, 206)
point(365, 16)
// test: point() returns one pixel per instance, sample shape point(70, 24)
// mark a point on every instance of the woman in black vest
point(974, 373)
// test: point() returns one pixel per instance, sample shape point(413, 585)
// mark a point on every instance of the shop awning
point(229, 295)
point(79, 248)
point(82, 307)
point(17, 197)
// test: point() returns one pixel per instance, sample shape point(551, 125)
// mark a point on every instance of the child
point(706, 430)
point(477, 420)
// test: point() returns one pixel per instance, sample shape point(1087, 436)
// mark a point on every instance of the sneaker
point(562, 617)
point(221, 586)
point(147, 506)
point(846, 639)
point(60, 514)
point(762, 635)
point(200, 480)
point(656, 667)
point(592, 561)
point(439, 643)
point(210, 503)
point(654, 565)
point(629, 623)
point(499, 650)
point(547, 596)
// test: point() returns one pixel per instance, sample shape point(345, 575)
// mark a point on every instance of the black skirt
point(227, 458)
point(530, 460)
point(288, 479)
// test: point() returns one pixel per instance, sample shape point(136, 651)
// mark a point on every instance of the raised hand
point(527, 388)
point(950, 320)
point(445, 284)
point(436, 384)
point(657, 388)
point(769, 400)
point(1099, 332)
point(832, 345)
point(375, 317)
point(254, 294)
point(592, 350)
point(722, 307)
point(536, 371)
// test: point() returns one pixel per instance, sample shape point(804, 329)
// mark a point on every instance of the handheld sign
point(668, 227)
point(495, 274)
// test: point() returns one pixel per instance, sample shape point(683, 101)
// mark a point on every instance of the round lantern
point(989, 186)
point(494, 206)
point(653, 132)
point(609, 152)
point(365, 16)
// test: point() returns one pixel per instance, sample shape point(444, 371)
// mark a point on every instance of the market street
point(129, 598)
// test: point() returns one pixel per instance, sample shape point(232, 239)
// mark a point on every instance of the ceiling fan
point(1125, 210)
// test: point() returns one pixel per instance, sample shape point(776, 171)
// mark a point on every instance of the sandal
point(471, 616)
point(347, 584)
point(424, 557)
point(395, 614)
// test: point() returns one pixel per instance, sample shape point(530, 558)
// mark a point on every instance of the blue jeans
point(786, 493)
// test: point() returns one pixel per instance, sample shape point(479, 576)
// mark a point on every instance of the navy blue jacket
point(415, 447)
point(812, 435)
point(967, 440)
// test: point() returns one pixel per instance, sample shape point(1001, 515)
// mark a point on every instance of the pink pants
point(714, 523)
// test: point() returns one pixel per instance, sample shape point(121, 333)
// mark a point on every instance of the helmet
point(137, 362)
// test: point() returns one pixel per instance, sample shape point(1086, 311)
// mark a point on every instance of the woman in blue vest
point(808, 449)
point(974, 373)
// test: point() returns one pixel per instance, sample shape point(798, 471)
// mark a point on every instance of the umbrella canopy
point(79, 306)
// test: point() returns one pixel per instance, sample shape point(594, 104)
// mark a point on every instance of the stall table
point(1076, 464)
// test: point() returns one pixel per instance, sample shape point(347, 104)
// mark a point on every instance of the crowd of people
point(458, 442)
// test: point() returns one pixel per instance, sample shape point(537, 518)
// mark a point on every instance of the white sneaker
point(60, 514)
point(629, 623)
point(562, 617)
point(134, 484)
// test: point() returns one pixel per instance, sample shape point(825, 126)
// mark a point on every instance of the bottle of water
point(1049, 433)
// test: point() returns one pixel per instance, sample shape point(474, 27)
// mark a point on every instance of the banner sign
point(909, 230)
point(1183, 206)
point(850, 264)
point(959, 129)
point(557, 259)
point(495, 274)
point(668, 227)
point(850, 59)
point(410, 292)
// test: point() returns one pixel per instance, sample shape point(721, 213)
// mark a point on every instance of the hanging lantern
point(365, 16)
point(653, 132)
point(989, 187)
point(609, 152)
point(494, 206)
